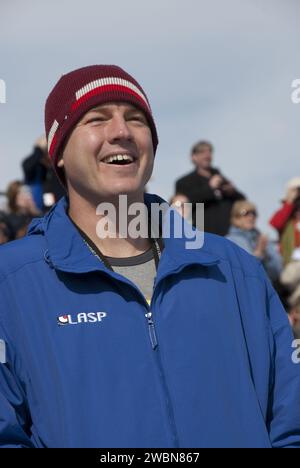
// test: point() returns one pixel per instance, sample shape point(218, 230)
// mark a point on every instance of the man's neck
point(83, 214)
point(204, 172)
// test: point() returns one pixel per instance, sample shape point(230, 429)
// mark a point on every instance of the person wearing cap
point(287, 220)
point(128, 340)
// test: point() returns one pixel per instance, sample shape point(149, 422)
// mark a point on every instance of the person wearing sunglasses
point(244, 233)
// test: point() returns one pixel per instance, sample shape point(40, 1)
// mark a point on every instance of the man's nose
point(119, 129)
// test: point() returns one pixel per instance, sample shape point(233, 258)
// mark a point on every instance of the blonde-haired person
point(244, 233)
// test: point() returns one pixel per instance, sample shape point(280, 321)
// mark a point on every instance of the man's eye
point(95, 119)
point(138, 117)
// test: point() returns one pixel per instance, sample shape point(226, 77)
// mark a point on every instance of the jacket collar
point(66, 250)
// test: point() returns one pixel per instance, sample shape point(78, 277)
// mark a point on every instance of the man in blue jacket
point(131, 340)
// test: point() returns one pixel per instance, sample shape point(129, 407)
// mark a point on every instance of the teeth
point(118, 157)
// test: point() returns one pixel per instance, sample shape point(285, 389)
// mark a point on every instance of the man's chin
point(130, 192)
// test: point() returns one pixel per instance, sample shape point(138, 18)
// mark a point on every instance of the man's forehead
point(112, 105)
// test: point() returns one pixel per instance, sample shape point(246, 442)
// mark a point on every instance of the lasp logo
point(83, 317)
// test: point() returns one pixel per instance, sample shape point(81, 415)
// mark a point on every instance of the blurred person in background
point(6, 233)
point(21, 208)
point(244, 233)
point(294, 313)
point(207, 185)
point(287, 220)
point(4, 236)
point(290, 280)
point(39, 175)
point(182, 205)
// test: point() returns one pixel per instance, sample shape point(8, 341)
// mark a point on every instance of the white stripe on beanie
point(110, 81)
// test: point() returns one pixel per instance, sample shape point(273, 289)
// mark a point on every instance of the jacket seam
point(6, 276)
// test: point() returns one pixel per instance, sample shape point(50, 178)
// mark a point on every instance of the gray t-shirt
point(140, 270)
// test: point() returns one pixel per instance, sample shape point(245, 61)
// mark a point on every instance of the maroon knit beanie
point(79, 91)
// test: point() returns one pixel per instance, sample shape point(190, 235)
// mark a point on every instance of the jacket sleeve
point(284, 397)
point(14, 417)
point(281, 217)
point(201, 193)
point(235, 195)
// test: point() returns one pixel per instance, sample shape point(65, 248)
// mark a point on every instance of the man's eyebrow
point(103, 108)
point(97, 109)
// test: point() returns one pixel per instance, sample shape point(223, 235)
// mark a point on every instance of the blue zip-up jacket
point(83, 364)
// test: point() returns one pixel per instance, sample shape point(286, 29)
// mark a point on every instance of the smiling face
point(109, 152)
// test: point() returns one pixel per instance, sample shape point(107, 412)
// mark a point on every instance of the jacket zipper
point(157, 358)
point(151, 328)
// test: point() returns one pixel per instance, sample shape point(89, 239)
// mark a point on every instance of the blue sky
point(212, 70)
